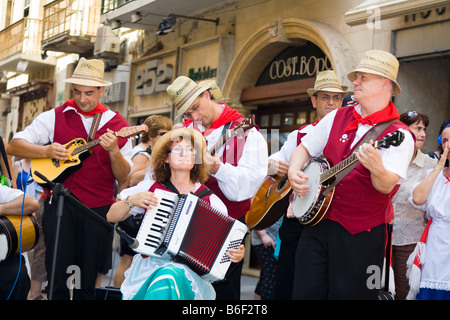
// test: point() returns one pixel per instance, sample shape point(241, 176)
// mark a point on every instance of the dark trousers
point(333, 264)
point(82, 251)
point(289, 232)
point(9, 272)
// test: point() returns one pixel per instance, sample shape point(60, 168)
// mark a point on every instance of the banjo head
point(302, 205)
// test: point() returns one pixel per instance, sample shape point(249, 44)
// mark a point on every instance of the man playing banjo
point(326, 96)
point(334, 256)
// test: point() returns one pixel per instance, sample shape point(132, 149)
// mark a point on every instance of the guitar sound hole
point(282, 183)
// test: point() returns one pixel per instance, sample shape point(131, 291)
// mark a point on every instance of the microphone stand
point(60, 192)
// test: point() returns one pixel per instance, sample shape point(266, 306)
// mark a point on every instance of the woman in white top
point(408, 223)
point(433, 196)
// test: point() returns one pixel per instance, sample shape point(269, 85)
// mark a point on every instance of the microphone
point(132, 242)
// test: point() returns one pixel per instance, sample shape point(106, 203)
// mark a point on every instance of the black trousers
point(289, 232)
point(9, 272)
point(331, 263)
point(82, 251)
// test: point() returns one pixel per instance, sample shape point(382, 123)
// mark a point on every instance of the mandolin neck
point(87, 146)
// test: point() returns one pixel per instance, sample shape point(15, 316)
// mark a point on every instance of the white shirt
point(42, 129)
point(395, 159)
point(8, 194)
point(435, 270)
point(408, 225)
point(242, 182)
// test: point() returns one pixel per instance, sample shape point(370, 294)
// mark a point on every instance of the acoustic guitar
point(58, 170)
point(269, 203)
point(311, 208)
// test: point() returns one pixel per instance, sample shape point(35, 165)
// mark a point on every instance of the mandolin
point(58, 170)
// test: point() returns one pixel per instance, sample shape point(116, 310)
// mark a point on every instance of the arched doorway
point(283, 105)
point(271, 39)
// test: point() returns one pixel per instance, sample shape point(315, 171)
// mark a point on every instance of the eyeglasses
point(412, 114)
point(326, 97)
point(161, 133)
point(180, 150)
point(188, 114)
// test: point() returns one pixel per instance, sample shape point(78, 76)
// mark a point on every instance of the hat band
point(186, 97)
point(329, 86)
point(87, 77)
point(380, 70)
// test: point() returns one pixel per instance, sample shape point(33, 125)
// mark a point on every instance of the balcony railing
point(73, 18)
point(22, 37)
point(109, 5)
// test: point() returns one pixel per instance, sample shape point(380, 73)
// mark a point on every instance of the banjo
point(312, 207)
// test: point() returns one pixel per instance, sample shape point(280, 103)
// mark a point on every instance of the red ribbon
point(228, 114)
point(388, 113)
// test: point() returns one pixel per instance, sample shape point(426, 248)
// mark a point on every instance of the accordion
point(188, 230)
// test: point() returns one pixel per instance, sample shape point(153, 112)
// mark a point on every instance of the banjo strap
point(372, 134)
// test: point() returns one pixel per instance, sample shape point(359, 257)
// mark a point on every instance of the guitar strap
point(94, 126)
point(202, 193)
point(372, 134)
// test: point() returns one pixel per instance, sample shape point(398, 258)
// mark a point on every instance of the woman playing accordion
point(177, 165)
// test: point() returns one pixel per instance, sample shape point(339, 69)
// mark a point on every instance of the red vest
point(93, 183)
point(232, 153)
point(356, 204)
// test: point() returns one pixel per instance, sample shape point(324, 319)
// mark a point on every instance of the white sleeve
point(317, 138)
point(397, 159)
point(8, 194)
point(140, 187)
point(243, 181)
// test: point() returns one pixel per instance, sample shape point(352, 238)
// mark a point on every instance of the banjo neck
point(342, 165)
point(338, 168)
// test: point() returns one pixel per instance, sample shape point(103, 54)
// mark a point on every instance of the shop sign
point(295, 63)
point(202, 73)
point(155, 77)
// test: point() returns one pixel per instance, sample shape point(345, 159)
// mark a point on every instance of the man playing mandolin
point(83, 242)
point(335, 257)
point(239, 163)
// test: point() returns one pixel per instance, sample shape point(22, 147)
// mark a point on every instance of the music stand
point(61, 193)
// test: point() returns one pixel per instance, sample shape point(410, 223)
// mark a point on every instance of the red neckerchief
point(228, 114)
point(98, 109)
point(388, 113)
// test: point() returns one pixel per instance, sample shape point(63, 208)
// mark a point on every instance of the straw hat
point(199, 142)
point(89, 73)
point(327, 81)
point(381, 63)
point(214, 90)
point(183, 91)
